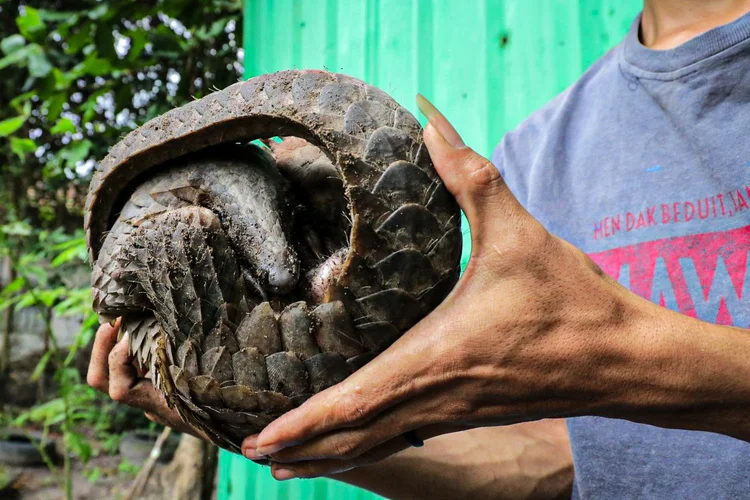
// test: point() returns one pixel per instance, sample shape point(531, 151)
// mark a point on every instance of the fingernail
point(251, 441)
point(252, 454)
point(440, 122)
point(249, 448)
point(284, 474)
point(269, 449)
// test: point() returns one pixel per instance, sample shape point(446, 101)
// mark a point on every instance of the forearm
point(531, 460)
point(684, 373)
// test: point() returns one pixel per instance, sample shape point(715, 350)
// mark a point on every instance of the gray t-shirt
point(644, 164)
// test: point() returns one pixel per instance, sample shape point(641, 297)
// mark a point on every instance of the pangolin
point(250, 271)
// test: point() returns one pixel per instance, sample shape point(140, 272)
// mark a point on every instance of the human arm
point(525, 461)
point(534, 329)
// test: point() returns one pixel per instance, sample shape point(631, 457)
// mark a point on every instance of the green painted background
point(486, 64)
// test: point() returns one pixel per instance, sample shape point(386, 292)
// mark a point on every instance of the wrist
point(679, 372)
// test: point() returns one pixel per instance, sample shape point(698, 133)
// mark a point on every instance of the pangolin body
point(249, 278)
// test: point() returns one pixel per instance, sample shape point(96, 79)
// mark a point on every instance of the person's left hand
point(533, 329)
point(113, 372)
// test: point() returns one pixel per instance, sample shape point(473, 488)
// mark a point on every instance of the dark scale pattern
point(202, 246)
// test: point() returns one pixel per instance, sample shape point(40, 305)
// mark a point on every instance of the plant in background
point(42, 288)
point(76, 76)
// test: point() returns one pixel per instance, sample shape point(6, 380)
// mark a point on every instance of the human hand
point(112, 371)
point(533, 329)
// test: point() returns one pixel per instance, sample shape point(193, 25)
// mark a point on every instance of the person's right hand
point(112, 371)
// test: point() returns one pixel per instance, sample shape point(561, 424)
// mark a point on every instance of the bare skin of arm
point(531, 460)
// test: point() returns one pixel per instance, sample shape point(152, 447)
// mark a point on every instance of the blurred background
point(77, 75)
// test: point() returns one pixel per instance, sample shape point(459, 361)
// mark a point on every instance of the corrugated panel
point(486, 64)
point(485, 67)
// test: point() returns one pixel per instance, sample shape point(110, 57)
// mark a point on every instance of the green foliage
point(73, 83)
point(126, 467)
point(78, 80)
point(10, 125)
point(4, 478)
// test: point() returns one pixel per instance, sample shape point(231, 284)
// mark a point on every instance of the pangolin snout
point(282, 280)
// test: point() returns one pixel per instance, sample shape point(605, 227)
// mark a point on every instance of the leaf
point(63, 125)
point(22, 147)
point(137, 43)
point(24, 301)
point(93, 475)
point(95, 66)
point(40, 366)
point(75, 241)
point(62, 79)
point(48, 297)
point(57, 16)
point(126, 467)
point(215, 29)
point(98, 12)
point(78, 444)
point(12, 287)
point(10, 125)
point(69, 255)
point(82, 339)
point(79, 39)
point(12, 43)
point(16, 228)
point(105, 42)
point(47, 412)
point(76, 151)
point(20, 102)
point(54, 105)
point(39, 65)
point(29, 23)
point(18, 55)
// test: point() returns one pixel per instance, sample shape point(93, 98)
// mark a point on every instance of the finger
point(438, 120)
point(349, 443)
point(98, 372)
point(318, 468)
point(402, 372)
point(472, 179)
point(327, 467)
point(126, 387)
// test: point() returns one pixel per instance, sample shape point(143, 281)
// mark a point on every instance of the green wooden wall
point(486, 64)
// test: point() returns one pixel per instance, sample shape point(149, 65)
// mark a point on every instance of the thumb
point(471, 178)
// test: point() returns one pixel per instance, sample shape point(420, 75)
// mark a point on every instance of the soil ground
point(38, 483)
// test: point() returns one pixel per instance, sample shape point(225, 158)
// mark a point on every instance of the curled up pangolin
point(250, 277)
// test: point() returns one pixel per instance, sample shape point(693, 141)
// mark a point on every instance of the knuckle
point(482, 171)
point(353, 410)
point(346, 447)
point(460, 409)
point(309, 471)
point(119, 393)
point(95, 380)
